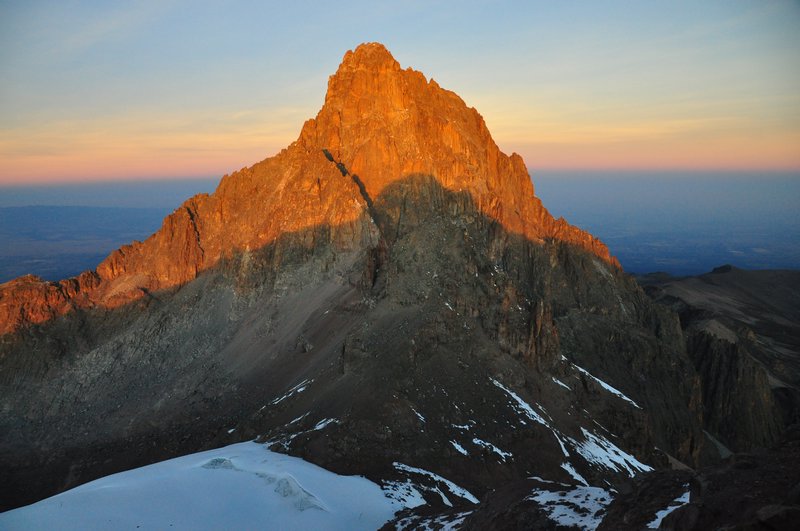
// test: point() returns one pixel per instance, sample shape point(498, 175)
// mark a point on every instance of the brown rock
point(379, 124)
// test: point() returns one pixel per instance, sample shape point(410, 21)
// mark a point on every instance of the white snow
point(600, 451)
point(459, 448)
point(417, 413)
point(321, 425)
point(299, 388)
point(503, 455)
point(286, 439)
point(522, 406)
point(298, 419)
point(607, 387)
point(448, 522)
point(594, 448)
point(403, 493)
point(680, 501)
point(581, 507)
point(242, 486)
point(537, 478)
point(452, 487)
point(562, 384)
point(574, 473)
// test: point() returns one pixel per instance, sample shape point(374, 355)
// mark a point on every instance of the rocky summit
point(385, 297)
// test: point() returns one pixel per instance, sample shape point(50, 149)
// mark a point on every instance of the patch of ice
point(680, 501)
point(404, 493)
point(537, 478)
point(521, 405)
point(447, 522)
point(607, 387)
point(459, 448)
point(600, 451)
point(324, 423)
point(503, 455)
point(524, 407)
point(299, 388)
point(574, 474)
point(562, 384)
point(298, 419)
point(241, 486)
point(452, 487)
point(581, 507)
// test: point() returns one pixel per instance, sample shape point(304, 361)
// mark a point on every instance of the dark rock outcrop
point(742, 333)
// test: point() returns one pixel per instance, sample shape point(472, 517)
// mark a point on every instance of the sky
point(102, 90)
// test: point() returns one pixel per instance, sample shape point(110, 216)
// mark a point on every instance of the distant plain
point(677, 222)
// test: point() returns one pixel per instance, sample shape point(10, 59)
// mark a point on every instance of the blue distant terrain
point(56, 232)
point(678, 223)
point(681, 223)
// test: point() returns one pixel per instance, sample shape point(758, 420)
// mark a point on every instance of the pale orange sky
point(141, 90)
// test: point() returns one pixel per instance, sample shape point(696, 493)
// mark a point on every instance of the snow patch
point(448, 522)
point(459, 448)
point(581, 507)
point(521, 405)
point(324, 423)
point(452, 487)
point(607, 387)
point(562, 384)
point(600, 451)
point(403, 493)
point(680, 501)
point(241, 486)
point(297, 389)
point(489, 446)
point(574, 474)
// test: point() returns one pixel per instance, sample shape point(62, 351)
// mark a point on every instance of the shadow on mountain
point(355, 353)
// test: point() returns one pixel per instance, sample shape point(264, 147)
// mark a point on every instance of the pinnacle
point(369, 55)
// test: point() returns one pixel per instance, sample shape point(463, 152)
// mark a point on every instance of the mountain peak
point(370, 56)
point(380, 125)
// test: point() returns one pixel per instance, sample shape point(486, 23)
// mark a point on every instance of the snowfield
point(242, 486)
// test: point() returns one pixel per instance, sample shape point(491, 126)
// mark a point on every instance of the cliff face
point(742, 334)
point(382, 124)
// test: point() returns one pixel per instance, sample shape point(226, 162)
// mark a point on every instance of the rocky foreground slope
point(384, 297)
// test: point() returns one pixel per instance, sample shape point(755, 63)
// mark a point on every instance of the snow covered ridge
point(242, 486)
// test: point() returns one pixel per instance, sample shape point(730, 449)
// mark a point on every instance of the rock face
point(384, 297)
point(382, 124)
point(758, 491)
point(743, 336)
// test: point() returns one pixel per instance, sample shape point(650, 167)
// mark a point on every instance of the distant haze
point(681, 223)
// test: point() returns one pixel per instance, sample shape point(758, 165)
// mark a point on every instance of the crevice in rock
point(356, 179)
point(196, 230)
point(379, 255)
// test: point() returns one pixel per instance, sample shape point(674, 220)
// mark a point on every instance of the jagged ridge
point(380, 122)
